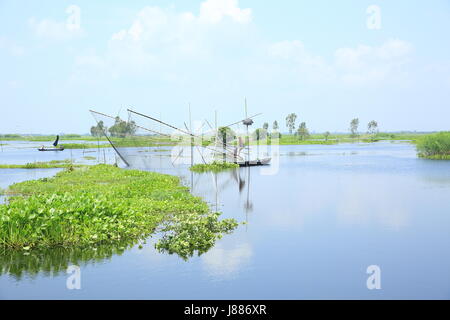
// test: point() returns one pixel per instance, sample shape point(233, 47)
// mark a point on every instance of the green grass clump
point(42, 165)
point(215, 166)
point(96, 205)
point(434, 146)
point(84, 145)
point(191, 232)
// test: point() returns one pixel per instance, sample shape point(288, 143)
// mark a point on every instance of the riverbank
point(101, 204)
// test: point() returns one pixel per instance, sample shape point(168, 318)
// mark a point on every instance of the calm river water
point(317, 219)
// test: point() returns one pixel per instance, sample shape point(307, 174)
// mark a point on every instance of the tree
point(122, 128)
point(226, 134)
point(259, 134)
point(354, 124)
point(326, 135)
point(275, 125)
point(372, 127)
point(275, 133)
point(98, 130)
point(302, 131)
point(266, 126)
point(290, 122)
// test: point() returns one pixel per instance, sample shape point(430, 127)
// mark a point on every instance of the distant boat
point(251, 163)
point(51, 149)
point(55, 144)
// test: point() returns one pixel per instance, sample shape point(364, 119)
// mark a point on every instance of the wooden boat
point(251, 163)
point(55, 144)
point(51, 149)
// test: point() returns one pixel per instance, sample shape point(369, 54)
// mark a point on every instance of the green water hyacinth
point(190, 233)
point(215, 166)
point(98, 205)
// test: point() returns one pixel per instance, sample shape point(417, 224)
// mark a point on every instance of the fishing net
point(141, 141)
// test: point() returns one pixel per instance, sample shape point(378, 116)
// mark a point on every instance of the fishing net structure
point(141, 141)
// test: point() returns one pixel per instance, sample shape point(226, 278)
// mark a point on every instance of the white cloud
point(366, 64)
point(220, 261)
point(169, 41)
point(298, 60)
point(179, 45)
point(355, 66)
point(214, 11)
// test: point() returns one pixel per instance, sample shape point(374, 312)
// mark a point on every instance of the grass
point(215, 166)
point(104, 204)
point(84, 145)
point(321, 139)
point(152, 141)
point(19, 137)
point(42, 165)
point(133, 141)
point(434, 146)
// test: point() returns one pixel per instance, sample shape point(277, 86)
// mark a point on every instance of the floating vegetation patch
point(215, 166)
point(89, 158)
point(42, 165)
point(103, 204)
point(84, 145)
point(184, 235)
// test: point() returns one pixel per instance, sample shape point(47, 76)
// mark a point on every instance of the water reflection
point(347, 206)
point(52, 262)
point(224, 261)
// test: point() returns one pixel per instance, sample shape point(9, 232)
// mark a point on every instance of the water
point(313, 228)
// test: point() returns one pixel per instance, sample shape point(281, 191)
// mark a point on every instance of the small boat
point(55, 144)
point(251, 163)
point(51, 149)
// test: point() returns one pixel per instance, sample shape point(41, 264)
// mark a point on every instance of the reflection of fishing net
point(149, 143)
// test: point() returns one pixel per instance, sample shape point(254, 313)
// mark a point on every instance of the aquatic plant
point(190, 233)
point(94, 205)
point(215, 166)
point(41, 165)
point(434, 146)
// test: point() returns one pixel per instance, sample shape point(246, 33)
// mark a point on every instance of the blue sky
point(327, 61)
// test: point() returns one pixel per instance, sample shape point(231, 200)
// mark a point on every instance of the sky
point(326, 61)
